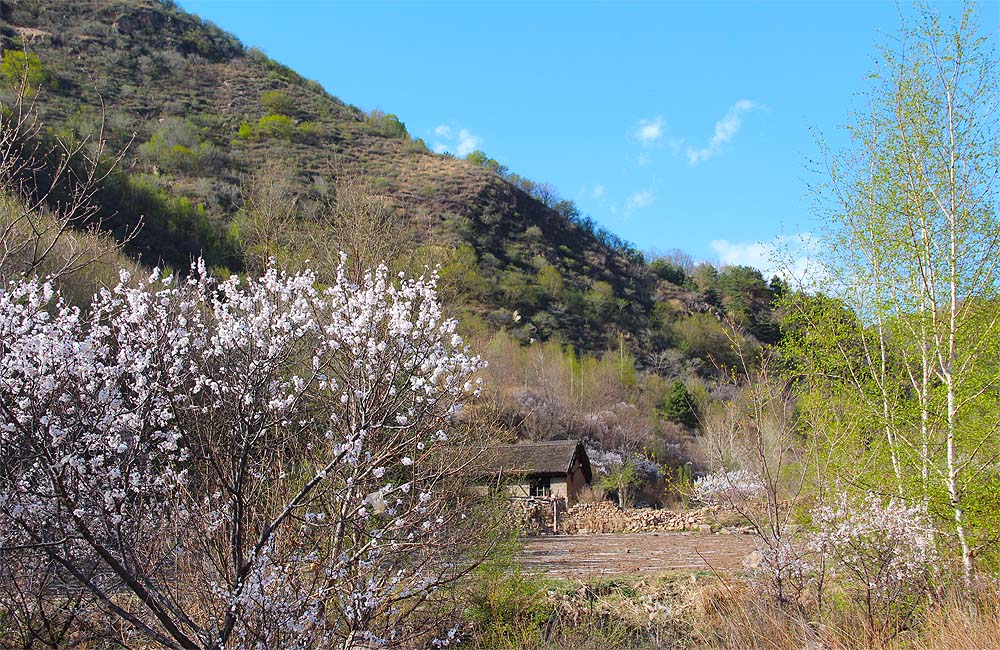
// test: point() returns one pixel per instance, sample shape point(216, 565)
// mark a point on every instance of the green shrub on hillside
point(277, 102)
point(276, 126)
point(279, 127)
point(17, 67)
point(551, 281)
point(480, 159)
point(174, 230)
point(387, 124)
point(176, 146)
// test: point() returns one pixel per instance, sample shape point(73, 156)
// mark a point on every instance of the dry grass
point(731, 614)
point(591, 494)
point(962, 621)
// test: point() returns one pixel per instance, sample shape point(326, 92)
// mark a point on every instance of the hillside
point(208, 124)
point(208, 113)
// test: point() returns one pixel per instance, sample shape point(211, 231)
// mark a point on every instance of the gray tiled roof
point(537, 458)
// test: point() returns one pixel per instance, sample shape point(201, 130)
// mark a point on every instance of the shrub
point(245, 131)
point(277, 102)
point(276, 126)
point(176, 146)
point(17, 67)
point(507, 609)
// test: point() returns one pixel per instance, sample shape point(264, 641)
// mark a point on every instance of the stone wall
point(535, 514)
point(606, 517)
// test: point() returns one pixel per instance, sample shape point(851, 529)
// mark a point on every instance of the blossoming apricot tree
point(235, 464)
point(884, 549)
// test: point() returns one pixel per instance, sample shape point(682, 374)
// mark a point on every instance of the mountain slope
point(207, 114)
point(208, 124)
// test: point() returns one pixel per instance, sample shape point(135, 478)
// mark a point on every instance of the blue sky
point(675, 125)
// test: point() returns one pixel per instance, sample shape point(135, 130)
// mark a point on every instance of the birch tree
point(914, 243)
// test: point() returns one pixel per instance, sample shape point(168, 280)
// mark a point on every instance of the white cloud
point(649, 131)
point(467, 143)
point(639, 200)
point(792, 257)
point(725, 130)
point(461, 145)
point(598, 191)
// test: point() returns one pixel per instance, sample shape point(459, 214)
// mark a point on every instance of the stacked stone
point(534, 515)
point(606, 517)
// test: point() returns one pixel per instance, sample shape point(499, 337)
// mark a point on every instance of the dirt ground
point(582, 556)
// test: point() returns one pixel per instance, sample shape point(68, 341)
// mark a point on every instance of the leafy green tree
point(568, 209)
point(701, 336)
point(387, 124)
point(668, 272)
point(551, 281)
point(477, 157)
point(679, 405)
point(520, 290)
point(393, 127)
point(600, 300)
point(778, 287)
point(460, 279)
point(622, 479)
point(706, 280)
point(743, 292)
point(18, 67)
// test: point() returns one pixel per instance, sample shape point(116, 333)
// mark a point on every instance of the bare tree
point(363, 224)
point(757, 469)
point(270, 204)
point(47, 189)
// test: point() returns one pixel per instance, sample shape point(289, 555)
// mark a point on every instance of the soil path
point(581, 556)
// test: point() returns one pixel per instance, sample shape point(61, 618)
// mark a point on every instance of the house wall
point(575, 481)
point(522, 490)
point(558, 488)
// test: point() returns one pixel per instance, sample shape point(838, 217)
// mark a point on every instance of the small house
point(557, 469)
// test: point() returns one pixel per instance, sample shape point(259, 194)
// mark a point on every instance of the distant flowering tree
point(622, 471)
point(883, 548)
point(234, 464)
point(728, 487)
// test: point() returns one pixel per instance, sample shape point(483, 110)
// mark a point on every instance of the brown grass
point(963, 621)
